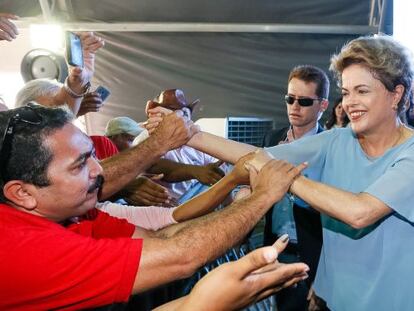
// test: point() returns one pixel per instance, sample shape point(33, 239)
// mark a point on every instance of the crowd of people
point(87, 222)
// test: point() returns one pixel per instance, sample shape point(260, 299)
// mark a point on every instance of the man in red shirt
point(58, 252)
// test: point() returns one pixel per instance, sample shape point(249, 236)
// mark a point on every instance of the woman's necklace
point(396, 141)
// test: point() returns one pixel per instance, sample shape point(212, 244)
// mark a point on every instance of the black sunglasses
point(303, 102)
point(26, 115)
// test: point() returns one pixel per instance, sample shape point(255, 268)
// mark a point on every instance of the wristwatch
point(72, 93)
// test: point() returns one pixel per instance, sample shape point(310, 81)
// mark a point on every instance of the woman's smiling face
point(366, 101)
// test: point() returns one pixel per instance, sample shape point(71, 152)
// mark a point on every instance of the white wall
point(403, 22)
point(11, 54)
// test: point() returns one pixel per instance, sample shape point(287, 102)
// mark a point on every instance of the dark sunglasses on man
point(26, 115)
point(303, 102)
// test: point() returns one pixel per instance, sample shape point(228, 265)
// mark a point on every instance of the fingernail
point(305, 277)
point(270, 254)
point(284, 238)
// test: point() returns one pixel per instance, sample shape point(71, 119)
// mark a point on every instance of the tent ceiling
point(317, 16)
point(235, 55)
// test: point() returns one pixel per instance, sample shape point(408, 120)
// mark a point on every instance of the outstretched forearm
point(173, 171)
point(179, 251)
point(358, 210)
point(120, 169)
point(206, 201)
point(173, 305)
point(224, 149)
point(253, 200)
point(168, 255)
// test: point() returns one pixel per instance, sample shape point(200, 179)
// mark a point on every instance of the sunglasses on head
point(303, 102)
point(26, 115)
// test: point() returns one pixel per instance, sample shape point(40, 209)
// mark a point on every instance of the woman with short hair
point(360, 178)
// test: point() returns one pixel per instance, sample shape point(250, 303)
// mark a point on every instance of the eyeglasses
point(303, 102)
point(26, 115)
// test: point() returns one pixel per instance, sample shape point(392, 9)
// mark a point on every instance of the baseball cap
point(122, 125)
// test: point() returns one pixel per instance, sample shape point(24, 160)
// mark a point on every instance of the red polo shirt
point(104, 147)
point(44, 265)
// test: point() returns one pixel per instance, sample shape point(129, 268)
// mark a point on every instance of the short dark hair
point(309, 73)
point(29, 156)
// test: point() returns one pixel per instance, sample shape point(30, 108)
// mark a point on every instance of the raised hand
point(8, 30)
point(91, 102)
point(79, 77)
point(174, 131)
point(274, 178)
point(155, 116)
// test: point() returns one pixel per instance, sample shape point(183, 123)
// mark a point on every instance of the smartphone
point(103, 92)
point(74, 49)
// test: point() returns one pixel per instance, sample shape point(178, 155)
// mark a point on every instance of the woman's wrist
point(296, 184)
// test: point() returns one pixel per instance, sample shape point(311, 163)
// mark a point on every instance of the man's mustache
point(97, 185)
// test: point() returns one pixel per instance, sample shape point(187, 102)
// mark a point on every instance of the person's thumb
point(252, 174)
point(256, 260)
point(281, 243)
point(302, 166)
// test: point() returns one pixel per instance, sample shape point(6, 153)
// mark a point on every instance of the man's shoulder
point(12, 217)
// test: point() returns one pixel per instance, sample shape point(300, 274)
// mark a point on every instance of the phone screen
point(74, 49)
point(103, 92)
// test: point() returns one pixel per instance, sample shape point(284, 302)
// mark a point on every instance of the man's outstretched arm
point(224, 149)
point(120, 169)
point(176, 172)
point(177, 251)
point(210, 199)
point(236, 285)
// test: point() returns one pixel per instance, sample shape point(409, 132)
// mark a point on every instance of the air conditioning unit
point(247, 130)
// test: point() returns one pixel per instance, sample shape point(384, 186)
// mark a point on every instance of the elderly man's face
point(73, 174)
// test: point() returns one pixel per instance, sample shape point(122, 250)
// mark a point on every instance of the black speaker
point(41, 63)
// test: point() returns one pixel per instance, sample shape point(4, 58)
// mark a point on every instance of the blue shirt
point(283, 220)
point(370, 268)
